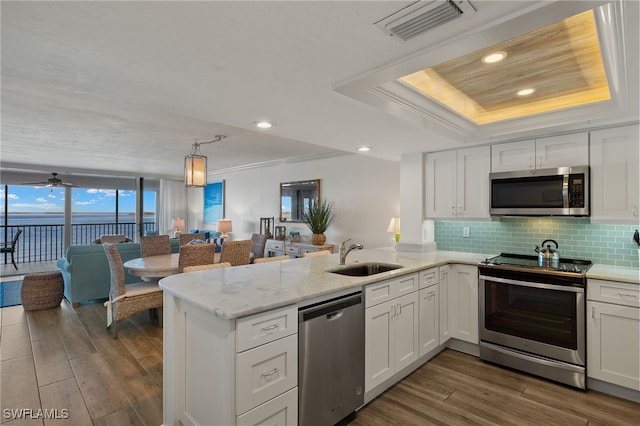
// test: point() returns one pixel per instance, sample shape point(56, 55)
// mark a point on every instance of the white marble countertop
point(244, 290)
point(614, 273)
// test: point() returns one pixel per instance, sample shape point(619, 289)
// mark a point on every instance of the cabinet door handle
point(530, 165)
point(431, 294)
point(635, 210)
point(540, 161)
point(460, 211)
point(453, 210)
point(393, 311)
point(270, 373)
point(593, 312)
point(399, 309)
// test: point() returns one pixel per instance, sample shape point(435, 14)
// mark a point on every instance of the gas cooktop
point(524, 261)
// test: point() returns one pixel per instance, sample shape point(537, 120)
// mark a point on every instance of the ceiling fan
point(52, 182)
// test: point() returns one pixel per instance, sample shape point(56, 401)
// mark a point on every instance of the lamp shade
point(177, 223)
point(224, 226)
point(195, 170)
point(394, 226)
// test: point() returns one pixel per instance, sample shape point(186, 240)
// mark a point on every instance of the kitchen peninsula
point(219, 325)
point(230, 335)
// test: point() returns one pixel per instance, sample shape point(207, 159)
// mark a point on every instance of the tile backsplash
point(577, 238)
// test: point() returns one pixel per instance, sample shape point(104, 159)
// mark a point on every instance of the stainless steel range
point(532, 315)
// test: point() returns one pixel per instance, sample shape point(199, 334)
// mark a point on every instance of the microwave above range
point(562, 191)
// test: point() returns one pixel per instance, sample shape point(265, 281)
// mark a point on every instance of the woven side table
point(42, 290)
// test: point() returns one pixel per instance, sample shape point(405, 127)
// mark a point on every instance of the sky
point(30, 199)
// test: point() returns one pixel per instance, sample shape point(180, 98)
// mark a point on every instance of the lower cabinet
point(217, 371)
point(391, 328)
point(613, 333)
point(443, 304)
point(429, 319)
point(462, 300)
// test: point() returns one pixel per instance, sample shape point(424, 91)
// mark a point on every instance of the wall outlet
point(465, 231)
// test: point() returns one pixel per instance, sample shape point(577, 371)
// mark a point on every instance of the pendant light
point(195, 164)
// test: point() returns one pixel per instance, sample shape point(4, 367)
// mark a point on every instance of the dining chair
point(196, 254)
point(236, 252)
point(258, 242)
point(206, 267)
point(154, 245)
point(317, 253)
point(127, 299)
point(10, 247)
point(185, 238)
point(272, 259)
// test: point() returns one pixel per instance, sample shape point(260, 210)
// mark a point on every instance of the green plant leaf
point(319, 216)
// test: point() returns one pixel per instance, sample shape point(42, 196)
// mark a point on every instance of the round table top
point(158, 266)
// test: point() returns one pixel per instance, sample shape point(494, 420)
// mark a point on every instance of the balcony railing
point(41, 243)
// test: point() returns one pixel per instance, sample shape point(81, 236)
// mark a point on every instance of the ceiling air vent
point(421, 16)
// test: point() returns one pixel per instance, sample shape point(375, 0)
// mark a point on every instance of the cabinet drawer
point(265, 372)
point(390, 289)
point(265, 327)
point(428, 277)
point(274, 245)
point(625, 294)
point(293, 250)
point(281, 410)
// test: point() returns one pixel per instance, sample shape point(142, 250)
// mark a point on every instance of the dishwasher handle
point(333, 309)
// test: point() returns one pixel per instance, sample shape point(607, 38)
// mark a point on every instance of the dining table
point(155, 267)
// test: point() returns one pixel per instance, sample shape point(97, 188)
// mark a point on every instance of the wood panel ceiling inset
point(562, 62)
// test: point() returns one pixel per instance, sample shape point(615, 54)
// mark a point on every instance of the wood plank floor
point(64, 358)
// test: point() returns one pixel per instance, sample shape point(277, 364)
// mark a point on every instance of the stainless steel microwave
point(563, 191)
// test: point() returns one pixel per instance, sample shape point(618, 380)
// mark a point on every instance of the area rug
point(10, 293)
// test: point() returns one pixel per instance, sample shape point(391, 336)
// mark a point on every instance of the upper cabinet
point(543, 153)
point(614, 174)
point(457, 184)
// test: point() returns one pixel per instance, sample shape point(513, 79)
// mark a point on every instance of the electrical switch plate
point(465, 231)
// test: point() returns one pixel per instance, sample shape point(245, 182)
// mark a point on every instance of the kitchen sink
point(365, 269)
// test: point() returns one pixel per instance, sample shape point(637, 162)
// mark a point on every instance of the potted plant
point(318, 218)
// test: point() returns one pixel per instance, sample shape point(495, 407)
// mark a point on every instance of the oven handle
point(536, 285)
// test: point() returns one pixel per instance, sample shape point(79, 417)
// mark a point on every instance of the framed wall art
point(214, 202)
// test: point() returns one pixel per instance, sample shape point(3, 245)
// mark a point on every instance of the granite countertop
point(614, 273)
point(244, 290)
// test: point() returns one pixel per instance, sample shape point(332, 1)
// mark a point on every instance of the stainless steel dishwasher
point(331, 360)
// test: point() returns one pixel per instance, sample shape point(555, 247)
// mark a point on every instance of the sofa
point(86, 274)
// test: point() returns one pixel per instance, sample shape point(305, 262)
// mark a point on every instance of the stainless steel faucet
point(345, 251)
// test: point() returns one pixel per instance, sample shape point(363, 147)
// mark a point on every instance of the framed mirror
point(295, 198)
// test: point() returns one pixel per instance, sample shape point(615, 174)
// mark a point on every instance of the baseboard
point(611, 389)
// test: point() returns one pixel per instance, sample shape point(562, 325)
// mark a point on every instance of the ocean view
point(77, 218)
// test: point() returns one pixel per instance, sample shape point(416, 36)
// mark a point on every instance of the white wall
point(365, 190)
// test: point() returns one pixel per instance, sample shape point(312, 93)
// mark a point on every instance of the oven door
point(542, 319)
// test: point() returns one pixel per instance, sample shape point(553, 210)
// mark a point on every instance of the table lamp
point(178, 225)
point(394, 226)
point(224, 226)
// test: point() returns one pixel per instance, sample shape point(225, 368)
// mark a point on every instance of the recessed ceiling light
point(364, 148)
point(263, 124)
point(525, 92)
point(494, 57)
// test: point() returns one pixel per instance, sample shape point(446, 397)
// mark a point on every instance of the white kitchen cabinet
point(543, 153)
point(391, 328)
point(613, 333)
point(219, 371)
point(615, 158)
point(457, 184)
point(443, 304)
point(429, 319)
point(463, 303)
